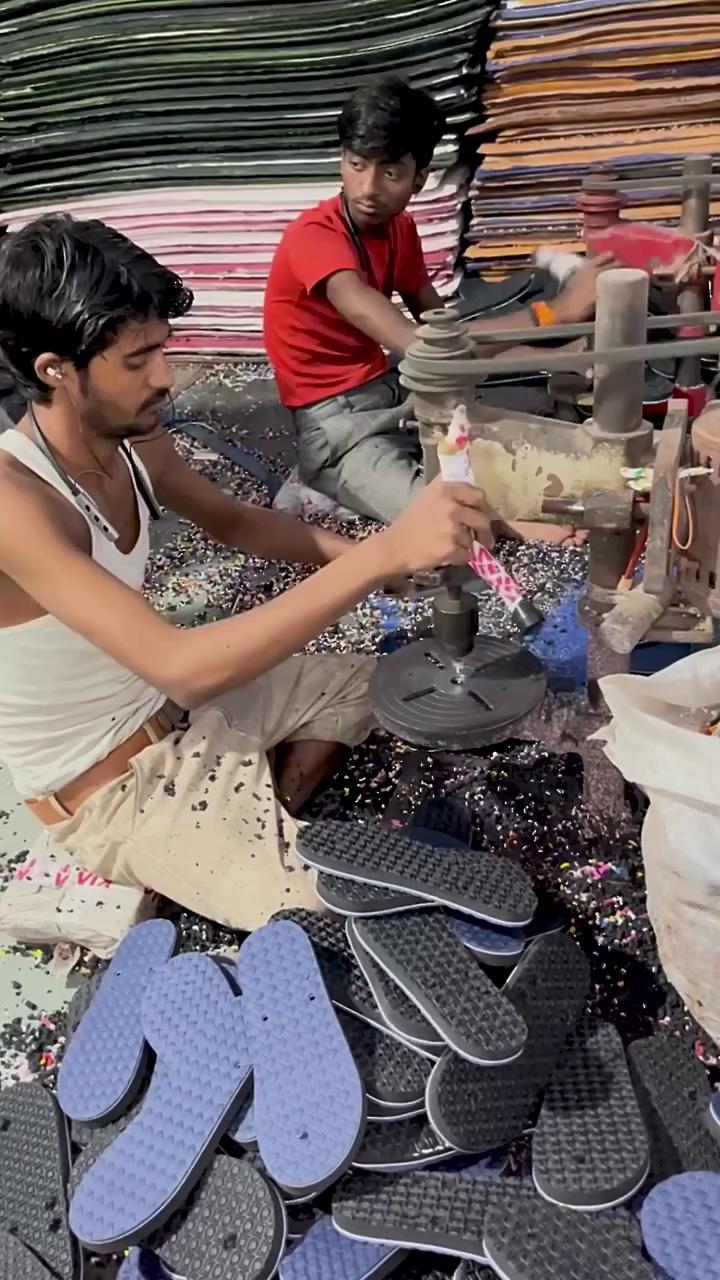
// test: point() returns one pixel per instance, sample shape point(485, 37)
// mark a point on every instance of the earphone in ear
point(54, 372)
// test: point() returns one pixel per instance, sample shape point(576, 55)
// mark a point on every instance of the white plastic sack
point(654, 739)
point(51, 899)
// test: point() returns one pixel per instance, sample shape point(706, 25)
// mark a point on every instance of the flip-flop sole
point(353, 898)
point(436, 1212)
point(18, 1262)
point(481, 1108)
point(680, 1222)
point(478, 884)
point(395, 1148)
point(34, 1165)
point(309, 1099)
point(392, 1072)
point(528, 1239)
point(325, 1254)
point(590, 1148)
point(398, 1012)
point(491, 944)
point(673, 1091)
point(342, 975)
point(232, 1227)
point(194, 1022)
point(243, 1129)
point(423, 955)
point(106, 1059)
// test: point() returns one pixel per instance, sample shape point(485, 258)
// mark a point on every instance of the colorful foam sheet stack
point(202, 128)
point(577, 84)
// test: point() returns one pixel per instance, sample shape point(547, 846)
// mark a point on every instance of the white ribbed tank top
point(65, 704)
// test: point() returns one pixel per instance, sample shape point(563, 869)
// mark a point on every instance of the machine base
point(427, 698)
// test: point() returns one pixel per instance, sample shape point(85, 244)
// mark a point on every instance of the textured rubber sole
point(194, 1022)
point(478, 1109)
point(490, 943)
point(232, 1227)
point(590, 1149)
point(528, 1239)
point(478, 884)
point(34, 1167)
point(394, 1148)
point(680, 1222)
point(423, 955)
point(392, 1072)
point(19, 1263)
point(309, 1099)
point(325, 1254)
point(105, 1062)
point(436, 1212)
point(342, 975)
point(673, 1091)
point(397, 1011)
point(353, 898)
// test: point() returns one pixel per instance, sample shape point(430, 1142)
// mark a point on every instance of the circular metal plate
point(424, 697)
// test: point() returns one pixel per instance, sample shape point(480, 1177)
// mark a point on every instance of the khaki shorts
point(196, 818)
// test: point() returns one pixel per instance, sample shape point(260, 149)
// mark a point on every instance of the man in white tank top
point(196, 807)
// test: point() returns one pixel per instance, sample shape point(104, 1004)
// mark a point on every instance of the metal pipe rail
point(695, 319)
point(444, 366)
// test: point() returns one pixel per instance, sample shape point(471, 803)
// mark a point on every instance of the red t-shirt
point(314, 351)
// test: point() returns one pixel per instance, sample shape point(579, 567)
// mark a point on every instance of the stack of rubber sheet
point(577, 84)
point(276, 1113)
point(202, 128)
point(221, 240)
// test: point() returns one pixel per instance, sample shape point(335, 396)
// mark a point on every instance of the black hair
point(388, 119)
point(67, 286)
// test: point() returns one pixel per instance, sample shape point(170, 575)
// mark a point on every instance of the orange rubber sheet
point(577, 85)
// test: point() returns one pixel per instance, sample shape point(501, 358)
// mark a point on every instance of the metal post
point(621, 321)
point(694, 220)
point(622, 305)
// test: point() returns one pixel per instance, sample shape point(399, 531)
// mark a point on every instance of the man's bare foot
point(558, 535)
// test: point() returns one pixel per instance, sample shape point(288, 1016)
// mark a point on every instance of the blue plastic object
point(561, 646)
point(323, 1254)
point(487, 940)
point(309, 1098)
point(142, 1264)
point(106, 1059)
point(243, 1128)
point(193, 1021)
point(680, 1222)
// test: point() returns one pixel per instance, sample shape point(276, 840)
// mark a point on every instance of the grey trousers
point(353, 449)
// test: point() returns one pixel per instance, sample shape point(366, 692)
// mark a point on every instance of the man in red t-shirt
point(329, 317)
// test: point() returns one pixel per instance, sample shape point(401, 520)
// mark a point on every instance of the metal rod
point(704, 319)
point(550, 362)
point(671, 181)
point(694, 220)
point(621, 321)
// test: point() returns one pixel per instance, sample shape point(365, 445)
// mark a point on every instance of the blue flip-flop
point(324, 1254)
point(680, 1223)
point(309, 1099)
point(193, 1020)
point(106, 1059)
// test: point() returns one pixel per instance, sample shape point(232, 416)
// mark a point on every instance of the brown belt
point(62, 804)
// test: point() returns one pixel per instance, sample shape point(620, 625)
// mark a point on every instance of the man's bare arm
point(370, 311)
point(256, 530)
point(192, 666)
